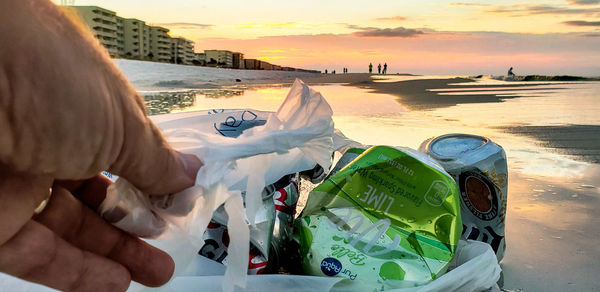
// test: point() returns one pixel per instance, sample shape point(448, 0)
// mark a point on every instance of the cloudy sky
point(425, 37)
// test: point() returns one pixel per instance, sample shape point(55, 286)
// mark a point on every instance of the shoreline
point(414, 93)
point(421, 95)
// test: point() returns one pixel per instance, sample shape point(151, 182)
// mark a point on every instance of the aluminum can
point(388, 218)
point(268, 236)
point(479, 167)
point(285, 200)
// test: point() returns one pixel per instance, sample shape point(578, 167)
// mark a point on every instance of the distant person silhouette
point(370, 68)
point(384, 68)
point(325, 71)
point(510, 72)
point(379, 69)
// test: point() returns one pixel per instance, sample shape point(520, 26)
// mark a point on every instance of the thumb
point(148, 162)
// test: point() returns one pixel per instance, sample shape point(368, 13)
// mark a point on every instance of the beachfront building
point(160, 44)
point(199, 59)
point(250, 64)
point(132, 39)
point(237, 60)
point(265, 66)
point(136, 39)
point(182, 51)
point(254, 64)
point(120, 36)
point(189, 51)
point(102, 22)
point(219, 58)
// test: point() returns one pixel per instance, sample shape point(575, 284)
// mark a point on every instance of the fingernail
point(191, 164)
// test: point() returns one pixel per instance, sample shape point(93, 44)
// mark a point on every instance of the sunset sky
point(424, 37)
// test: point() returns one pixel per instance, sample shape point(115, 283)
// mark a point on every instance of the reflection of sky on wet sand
point(379, 119)
point(552, 196)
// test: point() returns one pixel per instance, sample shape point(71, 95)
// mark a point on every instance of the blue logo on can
point(331, 266)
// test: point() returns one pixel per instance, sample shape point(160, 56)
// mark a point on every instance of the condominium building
point(200, 59)
point(160, 44)
point(120, 36)
point(131, 38)
point(136, 38)
point(102, 22)
point(182, 51)
point(265, 66)
point(189, 51)
point(238, 61)
point(220, 58)
point(251, 64)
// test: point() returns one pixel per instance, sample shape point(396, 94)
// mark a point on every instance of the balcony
point(102, 33)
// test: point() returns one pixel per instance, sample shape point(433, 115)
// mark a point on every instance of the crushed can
point(385, 217)
point(479, 167)
point(268, 236)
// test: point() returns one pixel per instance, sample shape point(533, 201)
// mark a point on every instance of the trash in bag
point(268, 236)
point(240, 212)
point(479, 167)
point(296, 138)
point(386, 218)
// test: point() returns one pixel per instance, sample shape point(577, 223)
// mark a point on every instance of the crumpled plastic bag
point(295, 138)
point(473, 269)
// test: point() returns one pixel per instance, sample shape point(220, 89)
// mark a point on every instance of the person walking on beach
point(384, 68)
point(66, 114)
point(325, 71)
point(370, 68)
point(379, 69)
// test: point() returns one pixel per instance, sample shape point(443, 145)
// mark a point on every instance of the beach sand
point(582, 142)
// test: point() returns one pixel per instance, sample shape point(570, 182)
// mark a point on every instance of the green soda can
point(390, 218)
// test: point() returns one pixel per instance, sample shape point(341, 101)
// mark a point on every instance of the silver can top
point(451, 146)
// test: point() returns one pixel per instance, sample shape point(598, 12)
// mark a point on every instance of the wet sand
point(552, 235)
point(417, 94)
point(582, 142)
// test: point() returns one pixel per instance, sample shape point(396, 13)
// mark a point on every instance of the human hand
point(66, 113)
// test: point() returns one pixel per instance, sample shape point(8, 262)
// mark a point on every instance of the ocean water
point(551, 135)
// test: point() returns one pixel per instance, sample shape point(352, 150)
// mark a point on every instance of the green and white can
point(390, 218)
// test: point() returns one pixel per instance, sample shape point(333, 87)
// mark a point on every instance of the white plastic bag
point(474, 269)
point(295, 138)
